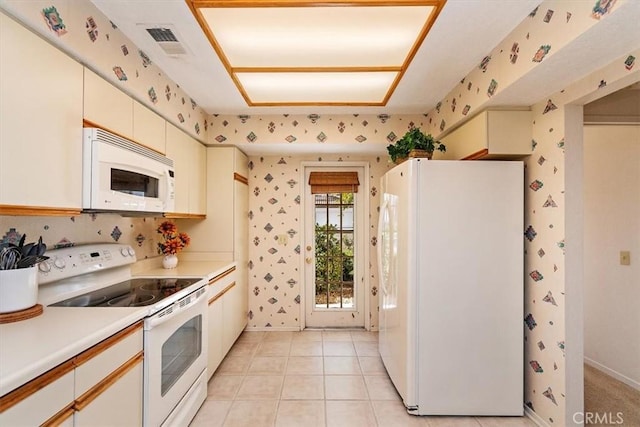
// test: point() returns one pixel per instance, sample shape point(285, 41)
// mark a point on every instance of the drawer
point(96, 363)
point(37, 405)
point(218, 284)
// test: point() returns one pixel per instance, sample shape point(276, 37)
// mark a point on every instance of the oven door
point(175, 356)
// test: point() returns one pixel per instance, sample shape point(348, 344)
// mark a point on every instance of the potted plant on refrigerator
point(414, 143)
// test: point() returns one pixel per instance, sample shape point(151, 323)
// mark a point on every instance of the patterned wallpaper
point(547, 30)
point(274, 231)
point(322, 130)
point(140, 233)
point(545, 219)
point(80, 29)
point(276, 238)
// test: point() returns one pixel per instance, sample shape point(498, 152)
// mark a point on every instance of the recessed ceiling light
point(316, 53)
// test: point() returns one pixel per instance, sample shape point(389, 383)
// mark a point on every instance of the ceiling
point(465, 31)
point(445, 56)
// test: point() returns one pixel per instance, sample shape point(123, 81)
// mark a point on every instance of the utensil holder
point(18, 289)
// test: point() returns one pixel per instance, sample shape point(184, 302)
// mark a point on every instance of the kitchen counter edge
point(30, 348)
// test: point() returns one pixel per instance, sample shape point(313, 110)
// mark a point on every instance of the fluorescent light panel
point(330, 52)
point(317, 36)
point(290, 88)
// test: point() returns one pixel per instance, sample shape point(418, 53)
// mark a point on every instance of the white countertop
point(31, 347)
point(205, 269)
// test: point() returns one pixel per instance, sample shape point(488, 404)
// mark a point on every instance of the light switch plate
point(625, 258)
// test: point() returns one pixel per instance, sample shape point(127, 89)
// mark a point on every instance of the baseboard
point(535, 417)
point(275, 329)
point(615, 374)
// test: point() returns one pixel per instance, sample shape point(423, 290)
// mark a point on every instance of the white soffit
point(316, 53)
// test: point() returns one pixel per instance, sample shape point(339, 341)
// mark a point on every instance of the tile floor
point(314, 378)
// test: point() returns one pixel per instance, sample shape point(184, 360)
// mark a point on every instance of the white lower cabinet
point(214, 349)
point(119, 405)
point(102, 386)
point(108, 376)
point(233, 315)
point(225, 316)
point(42, 405)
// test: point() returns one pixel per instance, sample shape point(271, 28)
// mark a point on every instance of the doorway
point(610, 284)
point(334, 251)
point(575, 237)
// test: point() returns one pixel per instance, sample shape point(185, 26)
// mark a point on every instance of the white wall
point(612, 224)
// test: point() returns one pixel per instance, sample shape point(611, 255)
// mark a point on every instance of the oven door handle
point(173, 310)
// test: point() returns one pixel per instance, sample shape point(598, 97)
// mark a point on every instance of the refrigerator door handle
point(383, 209)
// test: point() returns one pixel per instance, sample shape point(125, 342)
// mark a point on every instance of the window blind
point(333, 182)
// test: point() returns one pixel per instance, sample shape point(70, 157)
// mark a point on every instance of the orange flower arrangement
point(173, 242)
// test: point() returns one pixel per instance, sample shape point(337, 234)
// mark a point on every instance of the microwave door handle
point(170, 180)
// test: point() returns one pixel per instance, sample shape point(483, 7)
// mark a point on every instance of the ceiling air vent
point(167, 40)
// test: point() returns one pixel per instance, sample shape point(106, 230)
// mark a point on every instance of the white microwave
point(120, 175)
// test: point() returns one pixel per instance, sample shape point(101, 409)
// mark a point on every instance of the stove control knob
point(59, 263)
point(124, 252)
point(131, 251)
point(44, 267)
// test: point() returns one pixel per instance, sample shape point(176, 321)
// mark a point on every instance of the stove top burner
point(131, 300)
point(135, 292)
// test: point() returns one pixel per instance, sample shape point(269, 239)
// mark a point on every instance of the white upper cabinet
point(227, 195)
point(148, 128)
point(107, 106)
point(41, 125)
point(198, 179)
point(189, 160)
point(492, 134)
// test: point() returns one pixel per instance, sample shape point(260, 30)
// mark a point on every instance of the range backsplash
point(139, 232)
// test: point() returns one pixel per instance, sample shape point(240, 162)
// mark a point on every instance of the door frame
point(366, 227)
point(574, 237)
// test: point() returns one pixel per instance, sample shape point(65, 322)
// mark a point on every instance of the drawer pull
point(60, 417)
point(221, 294)
point(221, 275)
point(95, 391)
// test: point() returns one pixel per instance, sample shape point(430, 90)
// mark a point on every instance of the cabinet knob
point(308, 260)
point(309, 248)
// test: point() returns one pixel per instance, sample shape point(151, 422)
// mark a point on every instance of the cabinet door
point(149, 128)
point(499, 134)
point(119, 405)
point(108, 376)
point(41, 121)
point(93, 367)
point(107, 106)
point(178, 150)
point(214, 318)
point(198, 178)
point(232, 317)
point(41, 405)
point(469, 138)
point(241, 249)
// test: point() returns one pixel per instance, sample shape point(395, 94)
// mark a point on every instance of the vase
point(170, 261)
point(18, 289)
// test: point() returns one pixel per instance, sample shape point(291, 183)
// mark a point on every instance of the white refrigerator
point(450, 250)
